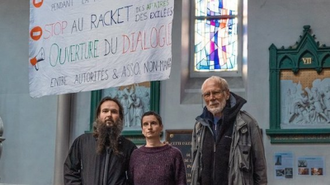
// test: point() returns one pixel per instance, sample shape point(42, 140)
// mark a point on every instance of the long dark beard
point(107, 134)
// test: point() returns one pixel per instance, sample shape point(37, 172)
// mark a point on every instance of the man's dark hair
point(108, 98)
point(107, 136)
point(152, 113)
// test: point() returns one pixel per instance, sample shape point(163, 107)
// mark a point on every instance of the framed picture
point(305, 99)
point(135, 99)
point(300, 92)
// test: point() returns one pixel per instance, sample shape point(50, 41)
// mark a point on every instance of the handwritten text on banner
point(84, 45)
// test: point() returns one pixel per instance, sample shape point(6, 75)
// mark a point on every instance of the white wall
point(29, 124)
point(281, 22)
point(28, 151)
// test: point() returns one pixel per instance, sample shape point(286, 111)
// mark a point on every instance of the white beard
point(216, 110)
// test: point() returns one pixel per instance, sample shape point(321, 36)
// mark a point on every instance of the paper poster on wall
point(311, 166)
point(84, 45)
point(283, 162)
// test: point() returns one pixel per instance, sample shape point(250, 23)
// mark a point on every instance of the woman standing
point(156, 162)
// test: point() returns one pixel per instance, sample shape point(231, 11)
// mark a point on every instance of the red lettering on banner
point(156, 37)
point(55, 29)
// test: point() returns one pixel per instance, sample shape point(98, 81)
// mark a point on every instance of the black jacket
point(84, 166)
point(216, 149)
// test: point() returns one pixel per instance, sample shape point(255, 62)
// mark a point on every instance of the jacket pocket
point(244, 158)
point(245, 165)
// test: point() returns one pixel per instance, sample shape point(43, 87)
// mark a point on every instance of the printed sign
point(283, 165)
point(311, 166)
point(84, 45)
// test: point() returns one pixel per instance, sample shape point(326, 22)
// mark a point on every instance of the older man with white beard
point(101, 157)
point(227, 146)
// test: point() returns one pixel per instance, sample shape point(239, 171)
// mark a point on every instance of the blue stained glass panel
point(216, 38)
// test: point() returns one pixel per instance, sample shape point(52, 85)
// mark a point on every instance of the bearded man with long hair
point(101, 157)
point(107, 133)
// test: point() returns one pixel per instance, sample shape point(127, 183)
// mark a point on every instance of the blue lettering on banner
point(111, 17)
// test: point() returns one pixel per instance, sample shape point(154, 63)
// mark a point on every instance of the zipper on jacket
point(105, 173)
point(214, 157)
point(215, 132)
point(214, 151)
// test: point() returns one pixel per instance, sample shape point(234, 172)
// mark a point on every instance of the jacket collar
point(239, 122)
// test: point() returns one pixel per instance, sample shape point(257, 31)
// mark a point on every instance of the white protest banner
point(84, 45)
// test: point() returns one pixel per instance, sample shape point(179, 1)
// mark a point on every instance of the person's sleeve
point(72, 166)
point(193, 144)
point(259, 159)
point(180, 170)
point(130, 172)
point(195, 170)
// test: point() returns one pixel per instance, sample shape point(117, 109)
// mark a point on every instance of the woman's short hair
point(152, 113)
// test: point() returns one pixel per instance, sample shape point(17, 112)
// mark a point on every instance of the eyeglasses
point(216, 94)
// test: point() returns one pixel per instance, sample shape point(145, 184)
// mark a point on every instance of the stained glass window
point(216, 37)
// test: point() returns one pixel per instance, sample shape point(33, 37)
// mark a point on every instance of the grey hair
point(221, 81)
